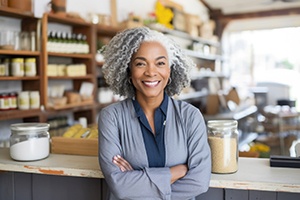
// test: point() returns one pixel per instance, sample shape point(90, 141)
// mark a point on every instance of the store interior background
point(257, 52)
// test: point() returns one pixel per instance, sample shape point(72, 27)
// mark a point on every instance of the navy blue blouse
point(154, 144)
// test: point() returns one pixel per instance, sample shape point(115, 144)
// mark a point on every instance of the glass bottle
point(223, 141)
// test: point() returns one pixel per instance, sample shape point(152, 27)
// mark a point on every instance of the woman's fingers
point(122, 163)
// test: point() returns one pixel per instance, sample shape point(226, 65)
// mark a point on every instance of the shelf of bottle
point(71, 55)
point(74, 107)
point(88, 76)
point(15, 13)
point(67, 21)
point(198, 54)
point(19, 52)
point(19, 114)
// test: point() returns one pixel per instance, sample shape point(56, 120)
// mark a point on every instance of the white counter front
point(253, 173)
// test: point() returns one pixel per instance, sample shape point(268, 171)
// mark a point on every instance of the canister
point(223, 141)
point(29, 141)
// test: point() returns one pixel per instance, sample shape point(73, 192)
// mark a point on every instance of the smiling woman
point(151, 146)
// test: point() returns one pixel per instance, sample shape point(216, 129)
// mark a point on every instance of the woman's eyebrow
point(142, 58)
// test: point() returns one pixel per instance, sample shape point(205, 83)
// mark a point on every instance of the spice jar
point(4, 101)
point(223, 141)
point(29, 141)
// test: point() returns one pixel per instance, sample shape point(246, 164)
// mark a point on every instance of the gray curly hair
point(117, 56)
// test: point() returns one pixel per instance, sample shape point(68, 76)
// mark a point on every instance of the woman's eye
point(139, 64)
point(161, 63)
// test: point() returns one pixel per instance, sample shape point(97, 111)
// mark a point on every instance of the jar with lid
point(4, 101)
point(17, 65)
point(23, 100)
point(29, 141)
point(34, 98)
point(223, 142)
point(30, 66)
point(13, 99)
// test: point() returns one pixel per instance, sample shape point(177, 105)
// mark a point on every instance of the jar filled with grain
point(223, 141)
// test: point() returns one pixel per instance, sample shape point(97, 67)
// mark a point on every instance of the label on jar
point(17, 67)
point(23, 101)
point(30, 67)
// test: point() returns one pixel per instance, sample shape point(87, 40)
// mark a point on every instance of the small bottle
point(7, 63)
point(13, 99)
point(34, 97)
point(17, 65)
point(23, 100)
point(223, 141)
point(4, 101)
point(32, 41)
point(30, 66)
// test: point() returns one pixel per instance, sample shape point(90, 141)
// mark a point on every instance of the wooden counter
point(253, 174)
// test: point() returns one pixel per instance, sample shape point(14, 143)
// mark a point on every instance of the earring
point(129, 81)
point(169, 81)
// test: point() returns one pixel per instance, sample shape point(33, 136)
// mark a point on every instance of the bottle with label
point(34, 97)
point(4, 101)
point(13, 99)
point(23, 100)
point(30, 66)
point(17, 65)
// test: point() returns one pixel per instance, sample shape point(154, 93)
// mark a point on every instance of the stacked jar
point(19, 67)
point(8, 101)
point(29, 100)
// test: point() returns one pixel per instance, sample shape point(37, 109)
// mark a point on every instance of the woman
point(151, 146)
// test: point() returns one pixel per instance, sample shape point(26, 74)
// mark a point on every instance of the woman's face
point(150, 70)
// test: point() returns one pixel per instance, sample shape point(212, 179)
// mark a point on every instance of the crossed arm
point(177, 171)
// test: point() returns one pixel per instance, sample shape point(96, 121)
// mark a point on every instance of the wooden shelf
point(200, 55)
point(89, 76)
point(107, 30)
point(15, 13)
point(183, 35)
point(73, 107)
point(19, 114)
point(19, 53)
point(71, 55)
point(17, 78)
point(67, 20)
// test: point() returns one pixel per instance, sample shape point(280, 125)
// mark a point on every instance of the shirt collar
point(163, 106)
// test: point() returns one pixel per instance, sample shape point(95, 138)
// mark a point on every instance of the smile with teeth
point(151, 83)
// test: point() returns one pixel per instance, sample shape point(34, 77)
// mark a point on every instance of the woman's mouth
point(151, 83)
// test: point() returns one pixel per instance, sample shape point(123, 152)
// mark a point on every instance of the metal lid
point(29, 126)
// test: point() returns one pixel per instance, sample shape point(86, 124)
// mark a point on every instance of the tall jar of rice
point(223, 141)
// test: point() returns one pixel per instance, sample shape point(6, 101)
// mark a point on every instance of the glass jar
point(29, 141)
point(223, 141)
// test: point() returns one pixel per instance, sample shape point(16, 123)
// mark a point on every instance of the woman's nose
point(151, 70)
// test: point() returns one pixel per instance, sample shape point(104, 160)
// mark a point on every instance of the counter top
point(253, 173)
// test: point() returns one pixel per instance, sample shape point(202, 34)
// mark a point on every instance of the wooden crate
point(74, 146)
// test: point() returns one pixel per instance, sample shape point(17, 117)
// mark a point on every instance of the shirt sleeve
point(197, 179)
point(145, 183)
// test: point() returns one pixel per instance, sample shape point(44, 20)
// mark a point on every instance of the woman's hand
point(122, 163)
point(178, 172)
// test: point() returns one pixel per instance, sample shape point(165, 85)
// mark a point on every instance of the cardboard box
point(74, 146)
